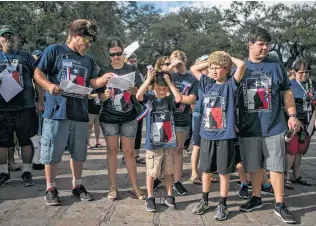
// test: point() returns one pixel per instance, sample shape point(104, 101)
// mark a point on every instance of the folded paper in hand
point(128, 51)
point(9, 88)
point(122, 81)
point(72, 88)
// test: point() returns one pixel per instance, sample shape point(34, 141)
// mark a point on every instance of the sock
point(205, 196)
point(4, 168)
point(75, 183)
point(27, 167)
point(267, 185)
point(50, 186)
point(222, 200)
point(242, 185)
point(278, 204)
point(257, 198)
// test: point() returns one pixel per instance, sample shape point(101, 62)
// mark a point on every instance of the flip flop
point(196, 180)
point(98, 146)
point(288, 185)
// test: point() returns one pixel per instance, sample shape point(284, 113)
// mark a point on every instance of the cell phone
point(149, 67)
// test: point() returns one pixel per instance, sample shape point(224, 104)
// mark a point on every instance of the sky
point(174, 6)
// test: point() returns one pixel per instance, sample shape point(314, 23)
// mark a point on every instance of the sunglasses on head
point(116, 54)
point(87, 40)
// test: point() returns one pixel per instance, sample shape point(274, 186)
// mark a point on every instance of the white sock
point(4, 168)
point(76, 182)
point(27, 167)
point(51, 185)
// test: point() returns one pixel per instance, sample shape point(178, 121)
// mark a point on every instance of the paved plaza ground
point(26, 206)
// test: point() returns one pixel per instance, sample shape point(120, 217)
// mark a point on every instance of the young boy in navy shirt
point(218, 125)
point(160, 132)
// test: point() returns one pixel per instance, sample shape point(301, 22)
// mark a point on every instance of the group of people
point(241, 112)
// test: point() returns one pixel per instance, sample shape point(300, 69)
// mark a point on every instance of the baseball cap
point(6, 29)
point(37, 52)
point(84, 27)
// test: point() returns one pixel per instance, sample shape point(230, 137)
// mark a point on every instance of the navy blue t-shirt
point(260, 99)
point(187, 85)
point(218, 120)
point(160, 130)
point(20, 65)
point(59, 62)
point(119, 108)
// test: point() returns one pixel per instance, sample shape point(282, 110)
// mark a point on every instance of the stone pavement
point(26, 206)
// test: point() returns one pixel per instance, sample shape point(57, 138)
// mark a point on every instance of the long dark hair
point(115, 42)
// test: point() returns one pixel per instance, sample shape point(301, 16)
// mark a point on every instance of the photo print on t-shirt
point(214, 118)
point(15, 69)
point(258, 92)
point(161, 128)
point(121, 99)
point(74, 72)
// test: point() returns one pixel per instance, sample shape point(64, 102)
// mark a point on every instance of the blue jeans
point(59, 134)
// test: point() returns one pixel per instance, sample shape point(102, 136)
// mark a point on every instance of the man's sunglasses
point(166, 64)
point(116, 54)
point(87, 40)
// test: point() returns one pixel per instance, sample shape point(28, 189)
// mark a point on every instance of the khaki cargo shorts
point(159, 161)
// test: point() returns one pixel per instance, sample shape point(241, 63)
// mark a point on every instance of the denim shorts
point(128, 129)
point(182, 129)
point(59, 134)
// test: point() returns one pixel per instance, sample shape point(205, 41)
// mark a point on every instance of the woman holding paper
point(304, 91)
point(118, 116)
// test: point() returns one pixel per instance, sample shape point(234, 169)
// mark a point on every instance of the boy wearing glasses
point(66, 117)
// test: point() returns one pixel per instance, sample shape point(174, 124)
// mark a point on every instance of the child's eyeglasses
point(116, 54)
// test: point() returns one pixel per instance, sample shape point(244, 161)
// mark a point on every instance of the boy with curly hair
point(218, 125)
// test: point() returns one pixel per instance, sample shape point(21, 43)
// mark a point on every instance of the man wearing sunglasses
point(66, 116)
point(19, 113)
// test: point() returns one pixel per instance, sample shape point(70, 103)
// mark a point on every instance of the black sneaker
point(157, 183)
point(252, 204)
point(51, 197)
point(170, 201)
point(268, 190)
point(27, 179)
point(4, 178)
point(150, 204)
point(243, 192)
point(179, 188)
point(285, 214)
point(81, 193)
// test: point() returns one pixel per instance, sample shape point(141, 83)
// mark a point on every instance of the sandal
point(214, 180)
point(196, 180)
point(113, 193)
point(138, 194)
point(300, 181)
point(288, 185)
point(140, 160)
point(98, 146)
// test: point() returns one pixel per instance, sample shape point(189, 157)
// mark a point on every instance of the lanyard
point(7, 58)
point(300, 84)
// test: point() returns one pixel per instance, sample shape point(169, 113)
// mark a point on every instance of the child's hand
point(151, 74)
point(166, 77)
point(107, 94)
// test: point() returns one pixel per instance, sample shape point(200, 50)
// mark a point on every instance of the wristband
point(292, 115)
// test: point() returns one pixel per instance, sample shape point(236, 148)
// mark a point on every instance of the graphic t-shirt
point(94, 105)
point(59, 62)
point(260, 101)
point(119, 108)
point(160, 130)
point(20, 65)
point(187, 85)
point(218, 120)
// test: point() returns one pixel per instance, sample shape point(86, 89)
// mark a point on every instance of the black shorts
point(23, 122)
point(217, 155)
point(237, 152)
point(196, 130)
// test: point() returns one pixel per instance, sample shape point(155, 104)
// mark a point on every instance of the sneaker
point(27, 179)
point(179, 188)
point(4, 179)
point(150, 204)
point(221, 212)
point(268, 190)
point(285, 214)
point(252, 204)
point(170, 201)
point(248, 183)
point(51, 197)
point(201, 207)
point(157, 183)
point(81, 193)
point(243, 192)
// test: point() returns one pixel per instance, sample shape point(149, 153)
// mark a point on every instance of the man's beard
point(10, 45)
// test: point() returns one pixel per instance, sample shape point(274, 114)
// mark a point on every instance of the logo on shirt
point(121, 100)
point(214, 117)
point(74, 72)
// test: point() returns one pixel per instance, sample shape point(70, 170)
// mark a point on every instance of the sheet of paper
point(130, 49)
point(9, 88)
point(312, 123)
point(122, 82)
point(70, 87)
